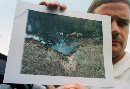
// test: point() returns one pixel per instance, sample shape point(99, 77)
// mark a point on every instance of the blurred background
point(7, 12)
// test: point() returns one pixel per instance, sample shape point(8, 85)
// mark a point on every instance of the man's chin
point(115, 51)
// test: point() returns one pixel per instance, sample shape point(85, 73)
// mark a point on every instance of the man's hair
point(97, 3)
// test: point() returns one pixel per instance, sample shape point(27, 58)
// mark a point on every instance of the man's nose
point(115, 29)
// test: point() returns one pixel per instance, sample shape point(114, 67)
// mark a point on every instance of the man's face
point(120, 14)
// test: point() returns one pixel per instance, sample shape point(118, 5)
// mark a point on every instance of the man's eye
point(122, 22)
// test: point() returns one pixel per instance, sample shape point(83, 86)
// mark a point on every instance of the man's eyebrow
point(124, 19)
point(127, 20)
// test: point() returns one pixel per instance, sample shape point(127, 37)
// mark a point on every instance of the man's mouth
point(115, 42)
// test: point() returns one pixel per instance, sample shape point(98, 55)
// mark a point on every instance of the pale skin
point(120, 14)
point(117, 10)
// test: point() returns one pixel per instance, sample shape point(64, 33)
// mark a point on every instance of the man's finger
point(62, 7)
point(53, 5)
point(43, 3)
point(72, 86)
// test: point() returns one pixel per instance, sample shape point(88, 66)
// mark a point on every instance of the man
point(119, 10)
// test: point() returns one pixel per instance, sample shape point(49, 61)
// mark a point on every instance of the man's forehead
point(114, 9)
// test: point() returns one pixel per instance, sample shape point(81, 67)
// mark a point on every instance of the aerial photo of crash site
point(58, 45)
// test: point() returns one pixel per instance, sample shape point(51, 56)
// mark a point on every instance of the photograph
point(58, 45)
point(53, 47)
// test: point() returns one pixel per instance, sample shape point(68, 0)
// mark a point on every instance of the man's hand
point(67, 86)
point(50, 87)
point(53, 5)
point(72, 86)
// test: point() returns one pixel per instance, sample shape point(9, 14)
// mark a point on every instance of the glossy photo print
point(55, 48)
point(63, 46)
